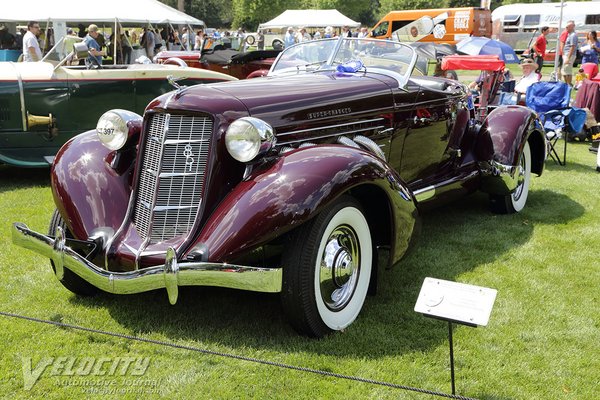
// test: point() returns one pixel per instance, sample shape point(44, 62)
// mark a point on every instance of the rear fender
point(294, 188)
point(500, 142)
point(503, 135)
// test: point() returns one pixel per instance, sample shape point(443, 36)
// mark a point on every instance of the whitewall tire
point(327, 273)
point(515, 202)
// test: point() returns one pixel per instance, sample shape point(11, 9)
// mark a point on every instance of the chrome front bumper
point(171, 275)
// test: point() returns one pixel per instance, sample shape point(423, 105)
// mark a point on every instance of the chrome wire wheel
point(340, 268)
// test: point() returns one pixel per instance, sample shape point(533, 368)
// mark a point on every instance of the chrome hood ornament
point(173, 82)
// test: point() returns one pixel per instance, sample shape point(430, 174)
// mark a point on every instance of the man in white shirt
point(364, 32)
point(529, 75)
point(302, 36)
point(187, 40)
point(31, 47)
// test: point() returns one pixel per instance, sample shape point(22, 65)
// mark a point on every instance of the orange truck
point(440, 25)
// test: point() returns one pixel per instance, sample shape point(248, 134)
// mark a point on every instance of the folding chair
point(550, 100)
point(508, 86)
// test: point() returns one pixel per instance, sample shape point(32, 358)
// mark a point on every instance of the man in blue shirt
point(289, 38)
point(96, 52)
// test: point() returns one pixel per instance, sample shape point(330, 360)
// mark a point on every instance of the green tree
point(214, 13)
point(391, 5)
point(363, 11)
point(248, 14)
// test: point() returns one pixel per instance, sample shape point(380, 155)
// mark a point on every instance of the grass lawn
point(542, 342)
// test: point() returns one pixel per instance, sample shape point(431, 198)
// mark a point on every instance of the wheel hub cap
point(520, 179)
point(339, 268)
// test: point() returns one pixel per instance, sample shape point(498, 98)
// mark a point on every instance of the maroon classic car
point(287, 183)
point(239, 64)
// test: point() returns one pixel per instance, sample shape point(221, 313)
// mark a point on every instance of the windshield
point(61, 49)
point(381, 56)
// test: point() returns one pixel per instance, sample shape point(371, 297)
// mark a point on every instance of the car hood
point(26, 71)
point(283, 100)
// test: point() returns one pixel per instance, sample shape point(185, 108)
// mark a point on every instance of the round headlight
point(113, 129)
point(248, 137)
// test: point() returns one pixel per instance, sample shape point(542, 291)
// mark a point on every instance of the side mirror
point(81, 50)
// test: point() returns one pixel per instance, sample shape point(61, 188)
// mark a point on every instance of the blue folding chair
point(550, 100)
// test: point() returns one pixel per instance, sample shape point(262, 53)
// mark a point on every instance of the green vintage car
point(43, 104)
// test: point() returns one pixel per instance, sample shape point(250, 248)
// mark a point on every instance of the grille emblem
point(189, 159)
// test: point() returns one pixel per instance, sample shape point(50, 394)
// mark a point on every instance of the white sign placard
point(458, 302)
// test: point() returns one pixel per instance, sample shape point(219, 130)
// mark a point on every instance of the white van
point(517, 24)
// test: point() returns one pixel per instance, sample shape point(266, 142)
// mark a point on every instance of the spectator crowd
point(35, 40)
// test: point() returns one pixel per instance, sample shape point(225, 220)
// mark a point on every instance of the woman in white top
point(198, 40)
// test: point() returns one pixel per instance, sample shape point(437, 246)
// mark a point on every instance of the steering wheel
point(175, 61)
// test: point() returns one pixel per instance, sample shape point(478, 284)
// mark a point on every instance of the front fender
point(88, 192)
point(500, 143)
point(293, 189)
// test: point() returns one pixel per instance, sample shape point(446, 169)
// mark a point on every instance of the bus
point(441, 25)
point(518, 24)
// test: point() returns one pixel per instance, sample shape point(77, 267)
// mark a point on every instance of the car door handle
point(74, 88)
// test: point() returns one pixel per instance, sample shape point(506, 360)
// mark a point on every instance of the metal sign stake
point(455, 302)
point(451, 357)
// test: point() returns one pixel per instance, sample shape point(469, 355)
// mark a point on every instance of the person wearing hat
point(302, 36)
point(289, 39)
point(95, 51)
point(529, 75)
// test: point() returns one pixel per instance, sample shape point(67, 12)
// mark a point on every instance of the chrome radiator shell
point(172, 175)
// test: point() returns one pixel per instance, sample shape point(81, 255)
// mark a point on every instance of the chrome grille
point(171, 181)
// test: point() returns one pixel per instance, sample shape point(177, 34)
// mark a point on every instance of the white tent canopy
point(124, 11)
point(310, 19)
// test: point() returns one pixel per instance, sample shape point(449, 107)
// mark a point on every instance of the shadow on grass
point(570, 166)
point(17, 177)
point(552, 165)
point(455, 239)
